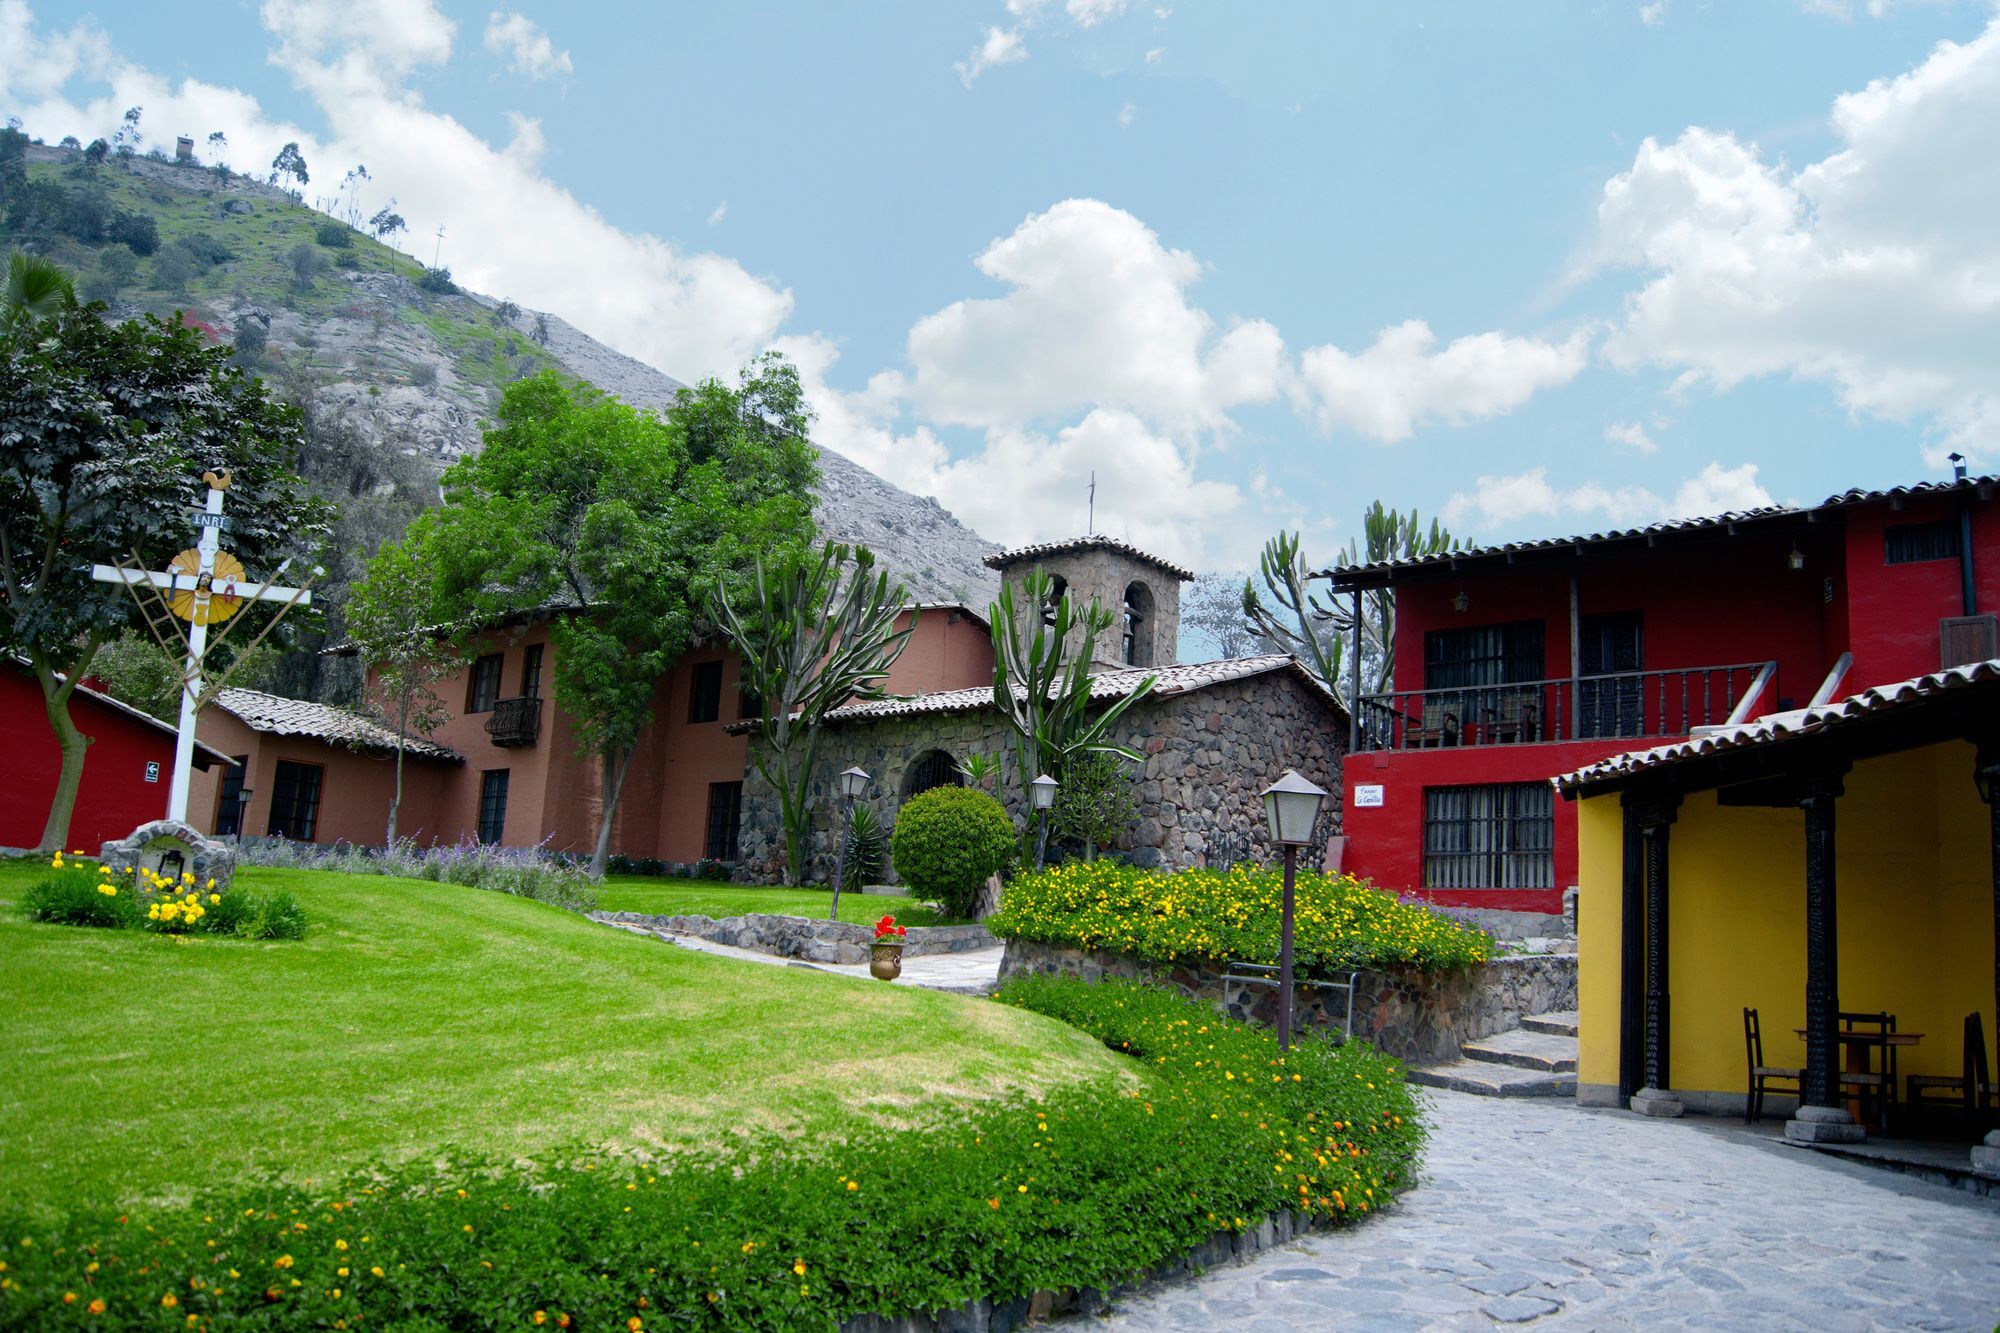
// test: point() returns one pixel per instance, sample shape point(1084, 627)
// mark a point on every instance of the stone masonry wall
point(1205, 756)
point(1421, 1018)
point(1103, 576)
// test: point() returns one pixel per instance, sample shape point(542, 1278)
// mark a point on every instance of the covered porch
point(1832, 875)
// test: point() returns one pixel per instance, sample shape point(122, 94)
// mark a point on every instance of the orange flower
point(96, 1306)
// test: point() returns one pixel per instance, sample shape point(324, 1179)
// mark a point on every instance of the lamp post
point(1291, 808)
point(852, 782)
point(242, 813)
point(1043, 791)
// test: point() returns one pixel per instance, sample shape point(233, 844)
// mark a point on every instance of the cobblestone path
point(1537, 1212)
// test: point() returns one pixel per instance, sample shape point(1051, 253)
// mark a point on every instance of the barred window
point(295, 801)
point(1490, 837)
point(1908, 543)
point(725, 820)
point(1483, 655)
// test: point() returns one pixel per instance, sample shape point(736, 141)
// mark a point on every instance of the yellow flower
point(169, 1301)
point(851, 1185)
point(96, 1306)
point(377, 1271)
point(69, 1298)
point(210, 884)
point(214, 897)
point(799, 1267)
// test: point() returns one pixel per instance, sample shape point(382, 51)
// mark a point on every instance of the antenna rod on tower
point(438, 250)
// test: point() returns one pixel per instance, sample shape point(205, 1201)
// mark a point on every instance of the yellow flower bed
point(1212, 916)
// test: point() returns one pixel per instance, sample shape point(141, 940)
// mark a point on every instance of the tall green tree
point(579, 500)
point(1042, 688)
point(1320, 633)
point(105, 432)
point(814, 631)
point(394, 623)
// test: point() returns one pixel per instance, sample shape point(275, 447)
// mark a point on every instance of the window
point(531, 671)
point(1058, 589)
point(749, 705)
point(229, 805)
point(705, 694)
point(933, 769)
point(1483, 655)
point(1138, 619)
point(1498, 837)
point(1908, 543)
point(492, 804)
point(725, 820)
point(482, 691)
point(295, 800)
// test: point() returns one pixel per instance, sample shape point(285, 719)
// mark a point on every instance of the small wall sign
point(1367, 794)
point(152, 770)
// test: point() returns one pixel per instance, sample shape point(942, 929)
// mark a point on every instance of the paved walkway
point(975, 972)
point(1542, 1212)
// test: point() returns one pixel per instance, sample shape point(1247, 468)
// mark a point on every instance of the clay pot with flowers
point(885, 957)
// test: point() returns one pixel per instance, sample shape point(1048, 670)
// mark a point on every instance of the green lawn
point(695, 897)
point(418, 1015)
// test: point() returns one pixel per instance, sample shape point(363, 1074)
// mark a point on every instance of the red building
point(1515, 663)
point(126, 772)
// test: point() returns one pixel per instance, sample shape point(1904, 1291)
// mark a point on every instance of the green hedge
point(1084, 1188)
point(1194, 916)
point(948, 842)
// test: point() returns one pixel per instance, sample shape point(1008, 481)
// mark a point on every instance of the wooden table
point(1859, 1043)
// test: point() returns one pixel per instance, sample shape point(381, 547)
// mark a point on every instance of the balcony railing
point(515, 721)
point(1623, 705)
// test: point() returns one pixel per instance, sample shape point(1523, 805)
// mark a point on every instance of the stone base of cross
point(203, 586)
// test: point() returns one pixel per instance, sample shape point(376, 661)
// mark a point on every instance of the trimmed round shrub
point(948, 842)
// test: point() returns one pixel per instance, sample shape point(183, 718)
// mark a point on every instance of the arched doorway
point(933, 768)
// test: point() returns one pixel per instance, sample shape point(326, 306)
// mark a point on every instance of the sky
point(1536, 268)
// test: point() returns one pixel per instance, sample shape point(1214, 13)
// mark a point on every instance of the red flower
point(887, 928)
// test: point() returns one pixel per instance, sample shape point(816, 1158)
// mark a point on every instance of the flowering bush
point(80, 892)
point(1086, 1187)
point(525, 872)
point(887, 930)
point(1222, 916)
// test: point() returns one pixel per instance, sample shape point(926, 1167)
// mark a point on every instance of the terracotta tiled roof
point(1775, 727)
point(296, 717)
point(1732, 519)
point(1174, 680)
point(1093, 543)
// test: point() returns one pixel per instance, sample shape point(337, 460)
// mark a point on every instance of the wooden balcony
point(515, 721)
point(1624, 705)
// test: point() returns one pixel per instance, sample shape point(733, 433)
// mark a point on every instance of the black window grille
point(1490, 837)
point(932, 769)
point(725, 820)
point(295, 800)
point(1483, 655)
point(229, 805)
point(482, 691)
point(531, 671)
point(493, 804)
point(1909, 543)
point(705, 692)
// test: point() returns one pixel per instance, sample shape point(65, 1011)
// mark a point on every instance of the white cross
point(204, 587)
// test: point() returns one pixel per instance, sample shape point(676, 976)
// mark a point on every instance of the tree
point(1213, 609)
point(1094, 804)
point(1312, 630)
point(813, 634)
point(579, 500)
point(386, 222)
point(137, 671)
point(218, 142)
point(117, 266)
point(392, 620)
point(290, 166)
point(506, 313)
point(1043, 689)
point(307, 263)
point(105, 432)
point(36, 289)
point(128, 139)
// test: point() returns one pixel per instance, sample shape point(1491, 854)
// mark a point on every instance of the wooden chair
point(1763, 1076)
point(1876, 1085)
point(1971, 1091)
point(1440, 723)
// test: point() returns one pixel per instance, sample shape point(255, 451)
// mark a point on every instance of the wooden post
point(1632, 960)
point(1575, 652)
point(1354, 681)
point(1654, 817)
point(1821, 1117)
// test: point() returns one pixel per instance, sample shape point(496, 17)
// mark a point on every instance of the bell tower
point(1142, 592)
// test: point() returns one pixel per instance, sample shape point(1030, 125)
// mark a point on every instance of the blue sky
point(1164, 241)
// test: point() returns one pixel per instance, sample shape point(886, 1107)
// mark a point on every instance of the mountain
point(398, 370)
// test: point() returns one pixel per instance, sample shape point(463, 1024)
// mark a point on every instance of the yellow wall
point(1914, 882)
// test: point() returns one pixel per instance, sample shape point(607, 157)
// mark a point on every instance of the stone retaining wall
point(806, 938)
point(1420, 1018)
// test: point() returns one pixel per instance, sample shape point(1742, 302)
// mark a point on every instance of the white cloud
point(1090, 13)
point(1126, 115)
point(718, 213)
point(1654, 14)
point(1096, 315)
point(1845, 9)
point(510, 231)
point(1632, 435)
point(527, 50)
point(1875, 270)
point(1000, 46)
point(1403, 381)
point(1504, 500)
point(1156, 55)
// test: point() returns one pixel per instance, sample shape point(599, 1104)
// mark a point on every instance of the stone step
point(1560, 1025)
point(1541, 1051)
point(1491, 1080)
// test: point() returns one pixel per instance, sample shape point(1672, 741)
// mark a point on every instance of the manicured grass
point(695, 897)
point(418, 1015)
